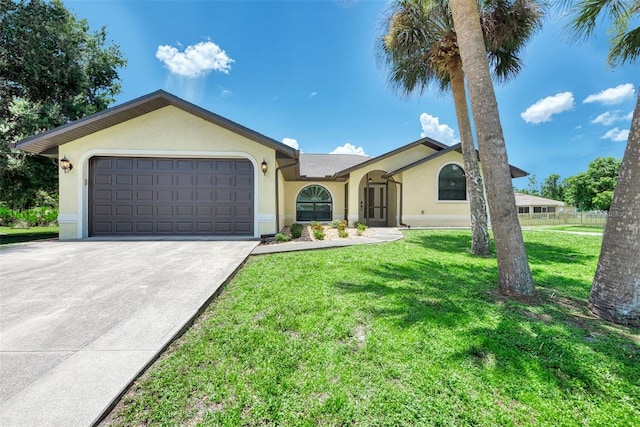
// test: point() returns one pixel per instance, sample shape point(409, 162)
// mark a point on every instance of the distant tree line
point(587, 191)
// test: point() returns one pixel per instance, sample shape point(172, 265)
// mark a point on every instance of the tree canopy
point(53, 70)
point(593, 189)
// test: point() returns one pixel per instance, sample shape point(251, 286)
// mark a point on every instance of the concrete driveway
point(80, 320)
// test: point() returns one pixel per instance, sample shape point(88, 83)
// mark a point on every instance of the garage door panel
point(123, 163)
point(164, 165)
point(243, 181)
point(164, 179)
point(144, 227)
point(144, 210)
point(144, 195)
point(146, 179)
point(149, 196)
point(124, 195)
point(124, 227)
point(166, 210)
point(144, 164)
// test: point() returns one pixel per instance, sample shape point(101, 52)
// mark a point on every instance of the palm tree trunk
point(615, 293)
point(513, 269)
point(475, 186)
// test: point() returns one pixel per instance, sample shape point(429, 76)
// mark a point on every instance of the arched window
point(452, 184)
point(314, 204)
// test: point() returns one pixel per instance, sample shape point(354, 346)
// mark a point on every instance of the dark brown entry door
point(162, 196)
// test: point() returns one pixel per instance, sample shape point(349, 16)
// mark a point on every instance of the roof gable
point(47, 143)
point(431, 143)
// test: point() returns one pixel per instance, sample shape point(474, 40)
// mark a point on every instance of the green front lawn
point(406, 333)
point(18, 235)
point(587, 228)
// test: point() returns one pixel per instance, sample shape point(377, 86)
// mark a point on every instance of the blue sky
point(305, 73)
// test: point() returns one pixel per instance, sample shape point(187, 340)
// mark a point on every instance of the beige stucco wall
point(293, 188)
point(168, 132)
point(421, 205)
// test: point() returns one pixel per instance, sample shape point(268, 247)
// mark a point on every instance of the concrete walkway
point(80, 320)
point(381, 235)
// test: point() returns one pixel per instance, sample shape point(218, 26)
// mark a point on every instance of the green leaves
point(624, 41)
point(53, 70)
point(593, 189)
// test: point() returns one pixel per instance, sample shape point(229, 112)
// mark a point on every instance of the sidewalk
point(381, 235)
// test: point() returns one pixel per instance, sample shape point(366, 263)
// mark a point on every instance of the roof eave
point(154, 101)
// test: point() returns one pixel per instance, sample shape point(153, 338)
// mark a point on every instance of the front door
point(375, 202)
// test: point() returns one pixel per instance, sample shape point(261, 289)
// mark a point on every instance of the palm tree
point(419, 47)
point(615, 292)
point(514, 274)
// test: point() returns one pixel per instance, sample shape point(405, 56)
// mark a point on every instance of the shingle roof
point(327, 165)
point(529, 200)
point(47, 143)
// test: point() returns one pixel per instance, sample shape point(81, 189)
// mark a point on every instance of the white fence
point(565, 218)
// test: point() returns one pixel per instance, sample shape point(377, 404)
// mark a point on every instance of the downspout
point(367, 202)
point(389, 178)
point(277, 191)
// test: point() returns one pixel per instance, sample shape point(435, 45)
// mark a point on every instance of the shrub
point(7, 216)
point(282, 238)
point(318, 234)
point(296, 230)
point(34, 217)
point(343, 233)
point(315, 225)
point(340, 224)
point(360, 228)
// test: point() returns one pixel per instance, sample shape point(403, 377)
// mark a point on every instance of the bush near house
point(35, 217)
point(296, 230)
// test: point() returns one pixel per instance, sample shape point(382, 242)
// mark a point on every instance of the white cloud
point(542, 110)
point(617, 135)
point(628, 116)
point(613, 95)
point(291, 143)
point(610, 117)
point(432, 128)
point(313, 94)
point(349, 149)
point(195, 60)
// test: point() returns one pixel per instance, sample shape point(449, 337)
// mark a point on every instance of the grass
point(18, 235)
point(406, 333)
point(581, 228)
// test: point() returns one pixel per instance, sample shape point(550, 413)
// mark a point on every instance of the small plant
point(360, 228)
point(318, 234)
point(296, 230)
point(315, 225)
point(343, 233)
point(340, 224)
point(282, 238)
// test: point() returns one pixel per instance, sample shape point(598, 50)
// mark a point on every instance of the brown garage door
point(158, 196)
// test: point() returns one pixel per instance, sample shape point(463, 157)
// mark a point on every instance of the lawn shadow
point(423, 291)
point(552, 350)
point(449, 242)
point(541, 253)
